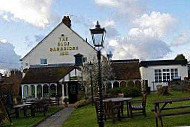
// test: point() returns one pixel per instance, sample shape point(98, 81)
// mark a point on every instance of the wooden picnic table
point(22, 106)
point(121, 100)
point(160, 105)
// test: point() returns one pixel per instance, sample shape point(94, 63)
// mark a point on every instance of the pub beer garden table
point(163, 103)
point(22, 106)
point(121, 100)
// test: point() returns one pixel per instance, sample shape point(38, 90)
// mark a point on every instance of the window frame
point(165, 74)
point(45, 63)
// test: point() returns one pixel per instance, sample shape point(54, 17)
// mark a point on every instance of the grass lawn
point(29, 121)
point(86, 116)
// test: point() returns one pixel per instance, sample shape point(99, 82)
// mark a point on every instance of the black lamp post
point(98, 37)
point(92, 91)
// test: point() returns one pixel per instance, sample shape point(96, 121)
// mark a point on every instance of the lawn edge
point(46, 118)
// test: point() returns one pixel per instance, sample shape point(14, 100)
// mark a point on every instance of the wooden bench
point(138, 105)
point(39, 106)
point(158, 111)
point(110, 111)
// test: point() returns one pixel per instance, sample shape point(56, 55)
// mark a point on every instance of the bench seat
point(171, 114)
point(138, 107)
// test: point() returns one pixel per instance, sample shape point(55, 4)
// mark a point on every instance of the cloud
point(111, 31)
point(79, 19)
point(31, 42)
point(6, 18)
point(8, 58)
point(181, 39)
point(3, 41)
point(145, 39)
point(109, 23)
point(87, 23)
point(114, 3)
point(144, 48)
point(113, 43)
point(129, 8)
point(35, 12)
point(155, 25)
point(38, 37)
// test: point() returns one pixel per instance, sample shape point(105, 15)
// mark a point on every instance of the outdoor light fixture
point(98, 36)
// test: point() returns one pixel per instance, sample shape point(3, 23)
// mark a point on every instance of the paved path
point(57, 119)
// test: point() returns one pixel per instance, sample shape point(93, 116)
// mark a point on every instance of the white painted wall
point(74, 72)
point(147, 73)
point(42, 50)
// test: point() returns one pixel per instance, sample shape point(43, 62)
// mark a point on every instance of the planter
point(65, 104)
point(120, 95)
point(66, 100)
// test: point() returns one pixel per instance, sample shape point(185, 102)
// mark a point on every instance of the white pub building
point(159, 72)
point(49, 68)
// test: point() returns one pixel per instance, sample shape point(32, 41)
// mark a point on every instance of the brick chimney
point(67, 21)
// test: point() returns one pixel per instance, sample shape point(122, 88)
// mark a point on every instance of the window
point(166, 75)
point(158, 75)
point(162, 75)
point(174, 73)
point(43, 61)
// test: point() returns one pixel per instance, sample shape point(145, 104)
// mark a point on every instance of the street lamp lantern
point(98, 35)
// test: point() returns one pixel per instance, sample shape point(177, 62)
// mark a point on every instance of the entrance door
point(73, 92)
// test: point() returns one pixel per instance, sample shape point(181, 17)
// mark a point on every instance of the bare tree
point(107, 74)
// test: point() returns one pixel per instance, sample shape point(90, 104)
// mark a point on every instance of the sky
point(136, 29)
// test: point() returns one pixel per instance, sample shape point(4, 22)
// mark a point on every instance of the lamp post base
point(101, 124)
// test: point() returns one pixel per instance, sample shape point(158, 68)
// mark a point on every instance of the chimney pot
point(67, 21)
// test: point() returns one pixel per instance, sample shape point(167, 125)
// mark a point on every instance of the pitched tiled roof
point(46, 74)
point(126, 69)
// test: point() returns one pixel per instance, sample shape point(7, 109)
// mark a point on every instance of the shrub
point(138, 84)
point(159, 88)
point(115, 91)
point(163, 90)
point(130, 84)
point(66, 100)
point(131, 92)
point(79, 104)
point(81, 95)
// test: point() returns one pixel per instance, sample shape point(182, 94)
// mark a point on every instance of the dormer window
point(43, 61)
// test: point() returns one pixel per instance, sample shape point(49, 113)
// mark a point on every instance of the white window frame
point(43, 59)
point(166, 74)
point(158, 73)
